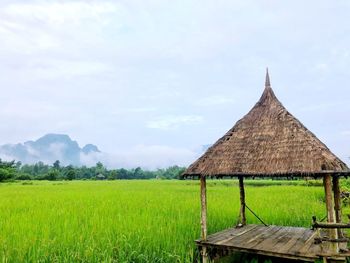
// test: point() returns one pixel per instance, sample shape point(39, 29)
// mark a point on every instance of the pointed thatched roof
point(268, 141)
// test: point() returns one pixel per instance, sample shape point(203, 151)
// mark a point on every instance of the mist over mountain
point(48, 149)
point(52, 147)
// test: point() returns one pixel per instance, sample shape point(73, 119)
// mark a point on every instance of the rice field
point(134, 221)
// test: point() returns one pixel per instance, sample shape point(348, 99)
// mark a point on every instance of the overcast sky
point(154, 80)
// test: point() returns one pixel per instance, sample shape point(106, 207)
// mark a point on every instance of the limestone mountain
point(49, 148)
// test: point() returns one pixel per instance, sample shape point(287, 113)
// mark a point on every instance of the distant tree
point(23, 176)
point(56, 165)
point(52, 175)
point(123, 174)
point(4, 174)
point(36, 168)
point(84, 173)
point(99, 165)
point(100, 169)
point(113, 175)
point(41, 171)
point(138, 173)
point(18, 165)
point(7, 170)
point(70, 174)
point(174, 172)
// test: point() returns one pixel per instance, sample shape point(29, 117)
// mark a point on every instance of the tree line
point(41, 171)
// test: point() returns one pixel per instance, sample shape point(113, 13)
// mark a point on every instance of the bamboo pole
point(337, 203)
point(204, 217)
point(330, 225)
point(242, 216)
point(327, 182)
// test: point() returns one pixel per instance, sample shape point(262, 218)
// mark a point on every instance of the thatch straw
point(268, 141)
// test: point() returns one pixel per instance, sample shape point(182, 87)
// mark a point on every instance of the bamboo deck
point(276, 241)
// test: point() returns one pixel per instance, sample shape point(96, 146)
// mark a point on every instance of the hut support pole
point(204, 217)
point(242, 216)
point(327, 182)
point(337, 203)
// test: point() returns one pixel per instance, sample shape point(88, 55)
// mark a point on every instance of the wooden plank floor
point(277, 241)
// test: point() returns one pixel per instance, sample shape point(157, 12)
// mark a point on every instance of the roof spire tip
point(267, 80)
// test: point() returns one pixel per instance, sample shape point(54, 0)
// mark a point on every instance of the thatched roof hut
point(268, 141)
point(100, 177)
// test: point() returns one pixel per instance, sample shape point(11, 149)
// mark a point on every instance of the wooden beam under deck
point(275, 241)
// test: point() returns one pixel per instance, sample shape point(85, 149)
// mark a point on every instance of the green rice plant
point(134, 221)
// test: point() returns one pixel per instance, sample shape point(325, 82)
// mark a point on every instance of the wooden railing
point(318, 225)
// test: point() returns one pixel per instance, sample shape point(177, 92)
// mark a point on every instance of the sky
point(151, 82)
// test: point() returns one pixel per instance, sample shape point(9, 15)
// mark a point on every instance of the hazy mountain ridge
point(52, 147)
point(48, 149)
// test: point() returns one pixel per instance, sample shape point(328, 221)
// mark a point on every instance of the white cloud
point(34, 27)
point(321, 67)
point(57, 150)
point(172, 122)
point(7, 157)
point(98, 70)
point(53, 69)
point(215, 100)
point(58, 13)
point(92, 158)
point(319, 107)
point(22, 108)
point(145, 156)
point(136, 110)
point(345, 133)
point(32, 152)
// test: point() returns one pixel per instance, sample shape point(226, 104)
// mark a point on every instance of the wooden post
point(337, 203)
point(204, 217)
point(327, 182)
point(242, 216)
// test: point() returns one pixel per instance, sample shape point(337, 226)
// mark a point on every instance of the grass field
point(134, 221)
